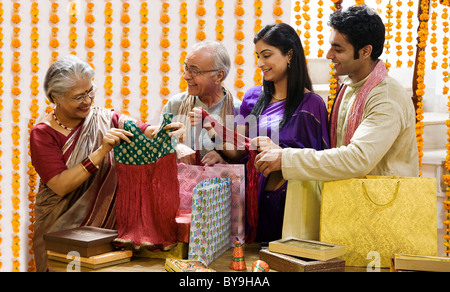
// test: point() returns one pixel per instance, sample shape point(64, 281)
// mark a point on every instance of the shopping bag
point(210, 220)
point(302, 210)
point(376, 217)
point(190, 175)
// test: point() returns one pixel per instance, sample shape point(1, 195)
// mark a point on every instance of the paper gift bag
point(210, 220)
point(302, 210)
point(190, 175)
point(377, 217)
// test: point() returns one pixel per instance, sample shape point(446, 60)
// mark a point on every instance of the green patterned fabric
point(143, 150)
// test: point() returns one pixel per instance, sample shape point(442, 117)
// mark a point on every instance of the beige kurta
point(383, 144)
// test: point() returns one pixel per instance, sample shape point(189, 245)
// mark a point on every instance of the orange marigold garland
point(398, 33)
point(1, 129)
point(258, 4)
point(90, 43)
point(239, 59)
point(15, 135)
point(409, 39)
point(388, 26)
point(165, 44)
point(219, 23)
point(319, 29)
point(34, 114)
point(108, 61)
point(125, 67)
point(446, 79)
point(143, 85)
point(307, 27)
point(73, 12)
point(433, 39)
point(201, 12)
point(278, 11)
point(423, 37)
point(333, 81)
point(183, 43)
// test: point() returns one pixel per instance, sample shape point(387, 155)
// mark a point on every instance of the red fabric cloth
point(251, 189)
point(184, 223)
point(147, 204)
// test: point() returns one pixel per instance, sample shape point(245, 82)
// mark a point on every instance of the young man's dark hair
point(362, 26)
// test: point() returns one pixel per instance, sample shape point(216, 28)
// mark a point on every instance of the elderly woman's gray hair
point(63, 75)
point(221, 59)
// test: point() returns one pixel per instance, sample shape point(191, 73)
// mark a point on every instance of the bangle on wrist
point(88, 165)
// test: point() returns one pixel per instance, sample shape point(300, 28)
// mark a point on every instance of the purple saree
point(307, 128)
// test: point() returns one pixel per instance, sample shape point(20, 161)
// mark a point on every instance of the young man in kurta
point(372, 124)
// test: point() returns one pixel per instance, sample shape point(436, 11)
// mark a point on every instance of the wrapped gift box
point(177, 265)
point(286, 263)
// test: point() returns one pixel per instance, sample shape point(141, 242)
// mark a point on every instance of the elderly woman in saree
point(71, 152)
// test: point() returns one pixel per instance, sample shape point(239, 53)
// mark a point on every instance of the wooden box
point(95, 262)
point(286, 263)
point(86, 240)
point(309, 249)
point(404, 262)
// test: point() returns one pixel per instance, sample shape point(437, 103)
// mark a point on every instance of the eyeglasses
point(91, 94)
point(194, 72)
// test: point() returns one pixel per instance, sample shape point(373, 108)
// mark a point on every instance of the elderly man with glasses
point(206, 66)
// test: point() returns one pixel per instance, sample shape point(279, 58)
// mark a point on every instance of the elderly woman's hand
point(178, 130)
point(113, 136)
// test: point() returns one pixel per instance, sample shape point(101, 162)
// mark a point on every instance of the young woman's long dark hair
point(285, 38)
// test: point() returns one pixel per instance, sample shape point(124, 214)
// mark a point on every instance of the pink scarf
point(377, 75)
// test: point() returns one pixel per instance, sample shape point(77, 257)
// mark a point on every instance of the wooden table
point(222, 264)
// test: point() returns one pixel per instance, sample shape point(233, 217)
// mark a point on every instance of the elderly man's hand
point(213, 157)
point(268, 161)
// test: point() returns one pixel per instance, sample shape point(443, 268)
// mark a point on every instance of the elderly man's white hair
point(221, 59)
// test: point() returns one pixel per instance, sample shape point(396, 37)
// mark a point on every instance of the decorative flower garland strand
point(53, 43)
point(165, 44)
point(278, 11)
point(319, 29)
point(307, 27)
point(398, 33)
point(15, 135)
point(239, 59)
point(183, 42)
point(201, 12)
point(73, 12)
point(446, 78)
point(34, 114)
point(423, 37)
point(108, 60)
point(409, 38)
point(143, 85)
point(433, 39)
point(333, 81)
point(258, 4)
point(388, 25)
point(90, 43)
point(219, 23)
point(1, 129)
point(125, 67)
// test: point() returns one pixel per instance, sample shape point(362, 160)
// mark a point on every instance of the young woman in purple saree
point(282, 113)
point(286, 109)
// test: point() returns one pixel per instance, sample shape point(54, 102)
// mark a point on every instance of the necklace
point(277, 98)
point(59, 123)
